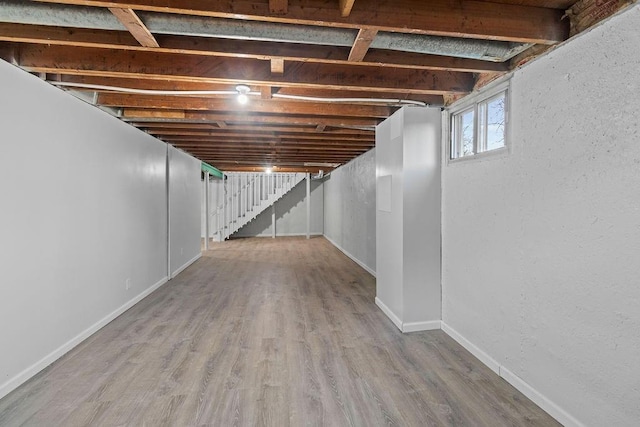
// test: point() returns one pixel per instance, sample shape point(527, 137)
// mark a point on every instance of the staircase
point(246, 195)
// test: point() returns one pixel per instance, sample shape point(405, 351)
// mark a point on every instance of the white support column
point(207, 209)
point(308, 205)
point(273, 221)
point(223, 235)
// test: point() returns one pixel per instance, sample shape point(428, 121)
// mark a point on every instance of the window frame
point(472, 103)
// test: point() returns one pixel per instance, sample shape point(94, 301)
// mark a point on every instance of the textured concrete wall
point(541, 247)
point(350, 209)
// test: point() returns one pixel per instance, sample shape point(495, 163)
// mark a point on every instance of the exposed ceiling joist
point(39, 34)
point(256, 105)
point(362, 43)
point(464, 18)
point(349, 65)
point(136, 27)
point(278, 6)
point(265, 91)
point(145, 65)
point(141, 116)
point(345, 7)
point(277, 66)
point(324, 130)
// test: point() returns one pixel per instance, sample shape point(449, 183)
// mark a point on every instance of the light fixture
point(268, 170)
point(243, 93)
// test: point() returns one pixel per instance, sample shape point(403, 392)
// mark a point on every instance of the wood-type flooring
point(267, 332)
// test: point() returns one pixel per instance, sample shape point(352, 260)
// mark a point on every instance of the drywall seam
point(523, 387)
point(185, 265)
point(390, 314)
point(353, 258)
point(32, 370)
point(429, 325)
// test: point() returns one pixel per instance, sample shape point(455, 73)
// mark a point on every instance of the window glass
point(479, 128)
point(495, 123)
point(467, 131)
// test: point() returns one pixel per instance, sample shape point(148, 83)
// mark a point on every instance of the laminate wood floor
point(268, 332)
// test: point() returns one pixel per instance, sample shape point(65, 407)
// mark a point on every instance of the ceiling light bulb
point(243, 92)
point(268, 170)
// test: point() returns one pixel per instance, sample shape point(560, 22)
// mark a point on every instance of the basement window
point(479, 125)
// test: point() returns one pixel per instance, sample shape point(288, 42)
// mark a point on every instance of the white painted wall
point(541, 248)
point(389, 216)
point(215, 201)
point(93, 242)
point(185, 190)
point(349, 209)
point(291, 214)
point(68, 247)
point(408, 218)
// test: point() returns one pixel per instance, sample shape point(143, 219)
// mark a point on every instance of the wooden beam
point(280, 167)
point(337, 145)
point(157, 65)
point(246, 145)
point(345, 7)
point(278, 7)
point(259, 133)
point(136, 27)
point(231, 105)
point(163, 84)
point(40, 34)
point(222, 147)
point(330, 132)
point(277, 66)
point(362, 43)
point(256, 136)
point(150, 115)
point(462, 18)
point(291, 157)
point(265, 92)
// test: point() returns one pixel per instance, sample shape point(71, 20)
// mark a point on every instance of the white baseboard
point(354, 259)
point(410, 326)
point(490, 362)
point(429, 325)
point(522, 386)
point(185, 265)
point(539, 399)
point(32, 370)
point(390, 314)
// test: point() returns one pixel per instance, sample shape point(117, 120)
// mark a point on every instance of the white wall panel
point(408, 223)
point(185, 191)
point(83, 209)
point(349, 212)
point(541, 247)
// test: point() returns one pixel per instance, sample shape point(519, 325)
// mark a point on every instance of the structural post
point(206, 211)
point(273, 221)
point(223, 233)
point(308, 205)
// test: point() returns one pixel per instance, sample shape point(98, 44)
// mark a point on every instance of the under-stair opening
point(244, 195)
